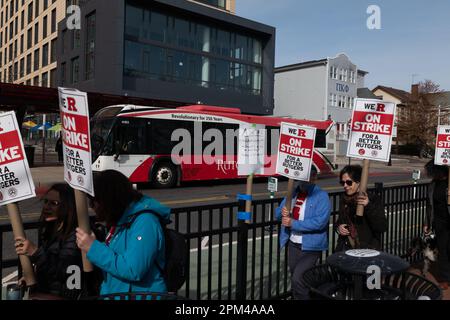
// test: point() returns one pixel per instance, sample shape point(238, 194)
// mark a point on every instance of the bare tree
point(418, 119)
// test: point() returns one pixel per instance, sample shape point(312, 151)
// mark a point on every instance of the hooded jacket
point(132, 260)
point(314, 227)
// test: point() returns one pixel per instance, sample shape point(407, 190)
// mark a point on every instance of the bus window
point(228, 133)
point(161, 135)
point(321, 139)
point(130, 136)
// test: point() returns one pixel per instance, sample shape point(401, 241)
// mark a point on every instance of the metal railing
point(212, 232)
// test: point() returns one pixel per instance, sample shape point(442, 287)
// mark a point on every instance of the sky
point(412, 44)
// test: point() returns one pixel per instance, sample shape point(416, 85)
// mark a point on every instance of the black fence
point(213, 233)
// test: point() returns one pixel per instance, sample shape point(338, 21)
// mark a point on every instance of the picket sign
point(16, 182)
point(295, 152)
point(74, 110)
point(372, 128)
point(442, 154)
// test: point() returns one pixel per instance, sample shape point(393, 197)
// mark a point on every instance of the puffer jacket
point(133, 259)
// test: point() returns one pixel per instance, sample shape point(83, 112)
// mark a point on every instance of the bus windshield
point(101, 125)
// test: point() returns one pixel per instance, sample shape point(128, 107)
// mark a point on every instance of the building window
point(63, 41)
point(36, 33)
point(29, 38)
point(16, 71)
point(22, 68)
point(90, 46)
point(36, 81)
point(216, 3)
point(36, 8)
point(44, 79)
point(28, 64)
point(36, 60)
point(21, 44)
point(345, 75)
point(341, 75)
point(44, 27)
point(30, 12)
point(53, 51)
point(76, 35)
point(53, 78)
point(333, 72)
point(53, 27)
point(63, 74)
point(177, 52)
point(75, 70)
point(335, 100)
point(45, 55)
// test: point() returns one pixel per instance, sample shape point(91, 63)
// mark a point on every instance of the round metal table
point(361, 263)
point(368, 275)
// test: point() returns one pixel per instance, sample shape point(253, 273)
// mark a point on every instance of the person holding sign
point(58, 250)
point(358, 232)
point(132, 255)
point(437, 218)
point(305, 230)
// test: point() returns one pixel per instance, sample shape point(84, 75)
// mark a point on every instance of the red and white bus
point(139, 142)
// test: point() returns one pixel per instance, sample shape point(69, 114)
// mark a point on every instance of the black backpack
point(175, 271)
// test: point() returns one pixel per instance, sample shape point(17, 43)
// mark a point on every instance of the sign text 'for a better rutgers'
point(75, 135)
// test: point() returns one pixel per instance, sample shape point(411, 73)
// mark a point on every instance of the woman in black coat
point(357, 232)
point(57, 248)
point(437, 219)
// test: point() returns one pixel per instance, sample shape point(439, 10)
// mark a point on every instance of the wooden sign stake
point(83, 223)
point(363, 185)
point(17, 227)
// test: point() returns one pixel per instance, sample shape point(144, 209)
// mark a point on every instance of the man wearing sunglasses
point(305, 230)
point(355, 231)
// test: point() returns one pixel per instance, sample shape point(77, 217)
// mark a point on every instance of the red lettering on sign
point(379, 123)
point(75, 133)
point(71, 104)
point(443, 141)
point(381, 107)
point(10, 148)
point(296, 147)
point(302, 133)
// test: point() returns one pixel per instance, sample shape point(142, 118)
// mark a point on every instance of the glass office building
point(171, 50)
point(169, 47)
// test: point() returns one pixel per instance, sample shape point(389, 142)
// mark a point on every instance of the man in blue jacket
point(305, 230)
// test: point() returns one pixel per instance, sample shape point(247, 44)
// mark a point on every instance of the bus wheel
point(164, 176)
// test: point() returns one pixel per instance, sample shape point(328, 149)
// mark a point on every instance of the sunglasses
point(347, 182)
point(53, 203)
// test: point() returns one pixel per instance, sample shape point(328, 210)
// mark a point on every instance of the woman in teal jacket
point(132, 255)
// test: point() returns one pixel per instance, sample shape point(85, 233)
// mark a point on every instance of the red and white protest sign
point(295, 151)
point(442, 155)
point(73, 105)
point(16, 182)
point(371, 130)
